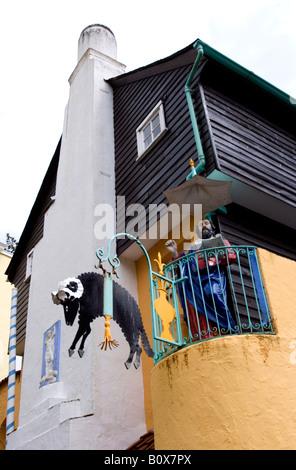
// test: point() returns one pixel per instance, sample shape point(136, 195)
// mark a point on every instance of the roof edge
point(245, 73)
point(146, 68)
point(218, 57)
point(52, 168)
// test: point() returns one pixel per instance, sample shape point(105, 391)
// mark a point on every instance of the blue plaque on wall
point(51, 355)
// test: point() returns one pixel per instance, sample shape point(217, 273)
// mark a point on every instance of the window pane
point(156, 131)
point(155, 121)
point(146, 131)
point(150, 129)
point(148, 141)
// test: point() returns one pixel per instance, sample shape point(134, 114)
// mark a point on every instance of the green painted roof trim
point(245, 73)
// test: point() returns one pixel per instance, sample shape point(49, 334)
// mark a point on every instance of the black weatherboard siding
point(244, 227)
point(254, 134)
point(167, 164)
point(248, 130)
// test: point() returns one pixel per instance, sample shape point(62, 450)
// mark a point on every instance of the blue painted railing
point(243, 301)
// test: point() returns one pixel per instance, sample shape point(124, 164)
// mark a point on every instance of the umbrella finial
point(193, 170)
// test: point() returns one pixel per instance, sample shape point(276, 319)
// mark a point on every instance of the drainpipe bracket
point(189, 90)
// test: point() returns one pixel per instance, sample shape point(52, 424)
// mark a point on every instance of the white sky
point(38, 52)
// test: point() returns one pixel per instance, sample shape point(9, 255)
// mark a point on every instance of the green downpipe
point(188, 91)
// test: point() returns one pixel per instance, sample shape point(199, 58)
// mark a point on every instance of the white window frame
point(157, 110)
point(29, 266)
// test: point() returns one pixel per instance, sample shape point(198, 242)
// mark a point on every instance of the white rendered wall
point(97, 404)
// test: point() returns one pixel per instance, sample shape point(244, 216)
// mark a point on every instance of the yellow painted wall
point(3, 406)
point(144, 304)
point(234, 392)
point(5, 305)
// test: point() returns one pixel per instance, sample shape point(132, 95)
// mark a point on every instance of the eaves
point(187, 56)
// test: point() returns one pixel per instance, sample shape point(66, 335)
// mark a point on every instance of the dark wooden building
point(248, 132)
point(248, 135)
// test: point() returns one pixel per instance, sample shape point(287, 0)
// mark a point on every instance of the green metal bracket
point(115, 263)
point(108, 286)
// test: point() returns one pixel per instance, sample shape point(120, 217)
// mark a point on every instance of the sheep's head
point(68, 294)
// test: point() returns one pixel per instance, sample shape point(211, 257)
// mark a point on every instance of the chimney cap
point(97, 25)
point(98, 37)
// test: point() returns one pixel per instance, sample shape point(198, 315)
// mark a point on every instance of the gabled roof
point(183, 57)
point(187, 56)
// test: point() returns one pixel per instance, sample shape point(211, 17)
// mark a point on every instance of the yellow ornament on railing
point(163, 308)
point(160, 264)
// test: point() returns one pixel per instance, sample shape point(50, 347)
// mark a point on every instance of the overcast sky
point(38, 45)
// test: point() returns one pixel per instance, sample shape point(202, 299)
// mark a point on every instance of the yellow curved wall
point(145, 308)
point(234, 392)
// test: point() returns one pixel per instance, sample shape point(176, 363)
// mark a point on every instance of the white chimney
point(99, 38)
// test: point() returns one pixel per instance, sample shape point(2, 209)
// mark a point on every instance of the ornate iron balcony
point(219, 292)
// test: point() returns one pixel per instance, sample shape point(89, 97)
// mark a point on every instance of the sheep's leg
point(82, 330)
point(138, 356)
point(84, 336)
point(130, 358)
point(78, 335)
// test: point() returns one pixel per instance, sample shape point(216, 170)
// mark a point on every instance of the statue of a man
point(203, 294)
point(50, 373)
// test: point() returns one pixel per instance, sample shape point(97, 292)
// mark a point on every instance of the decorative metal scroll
point(165, 313)
point(244, 296)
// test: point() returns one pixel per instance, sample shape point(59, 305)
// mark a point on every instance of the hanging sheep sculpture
point(84, 295)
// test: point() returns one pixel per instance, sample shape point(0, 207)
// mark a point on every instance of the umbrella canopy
point(212, 194)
